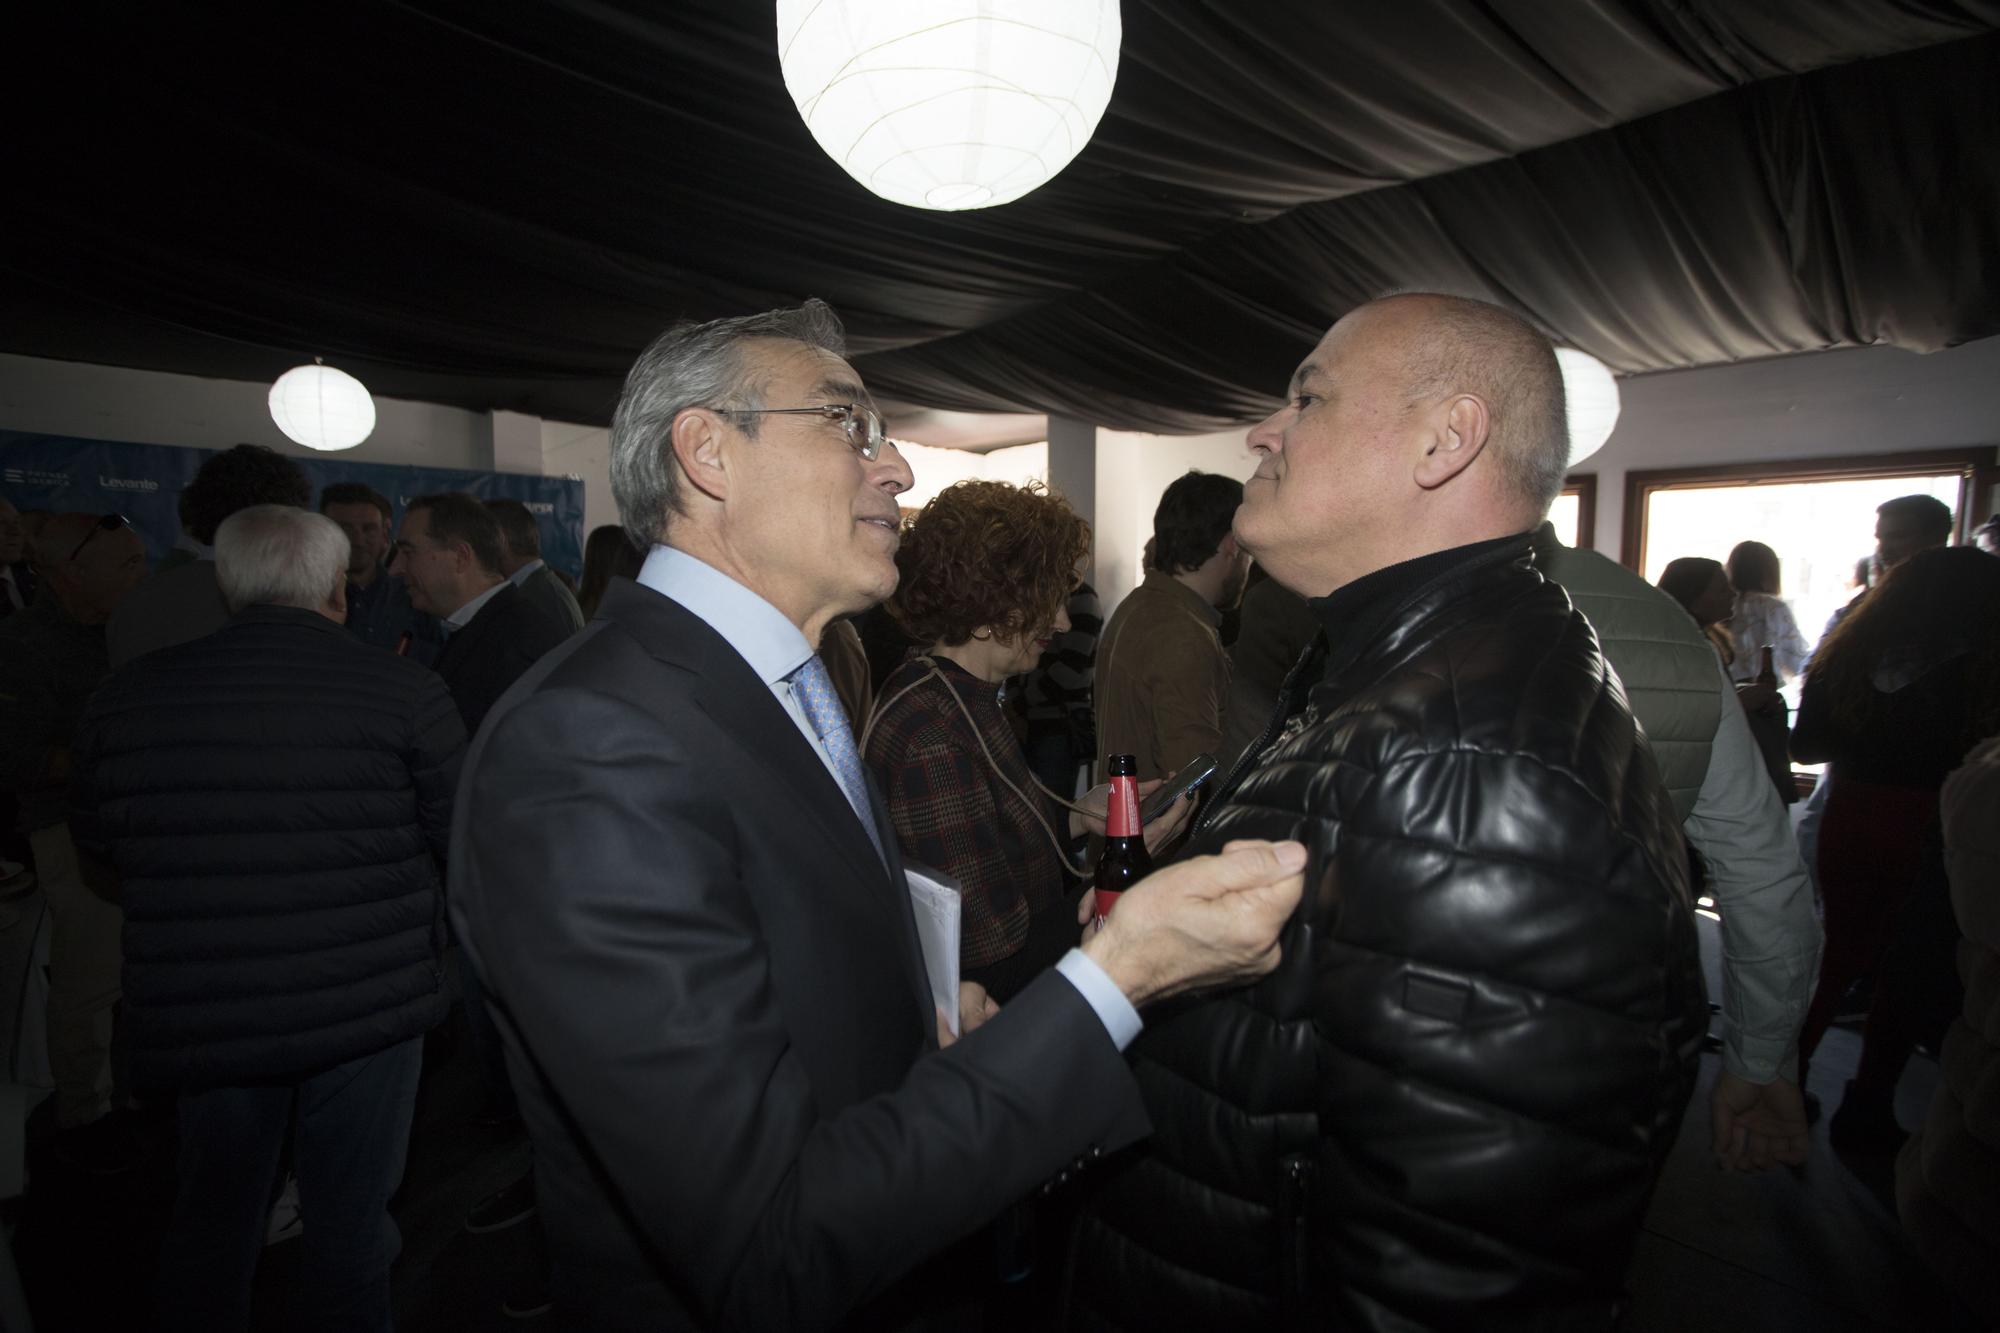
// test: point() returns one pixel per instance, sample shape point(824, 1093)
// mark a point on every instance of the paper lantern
point(1592, 397)
point(950, 104)
point(322, 408)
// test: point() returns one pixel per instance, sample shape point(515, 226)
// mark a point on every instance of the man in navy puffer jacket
point(275, 800)
point(1447, 1106)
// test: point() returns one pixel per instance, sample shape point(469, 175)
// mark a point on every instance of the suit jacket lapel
point(906, 912)
point(464, 645)
point(454, 649)
point(744, 707)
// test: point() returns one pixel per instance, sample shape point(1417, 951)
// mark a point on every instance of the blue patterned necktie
point(813, 688)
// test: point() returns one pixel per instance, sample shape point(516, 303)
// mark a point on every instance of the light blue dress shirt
point(774, 648)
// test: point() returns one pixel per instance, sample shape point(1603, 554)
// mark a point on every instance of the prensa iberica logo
point(31, 476)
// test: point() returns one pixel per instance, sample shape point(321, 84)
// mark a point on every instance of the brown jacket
point(1161, 679)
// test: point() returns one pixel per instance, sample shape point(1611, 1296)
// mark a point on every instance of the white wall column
point(1073, 462)
point(517, 442)
point(1073, 475)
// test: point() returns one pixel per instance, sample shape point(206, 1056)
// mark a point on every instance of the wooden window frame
point(1583, 485)
point(1967, 461)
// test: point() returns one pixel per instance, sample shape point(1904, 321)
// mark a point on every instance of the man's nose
point(1265, 436)
point(892, 470)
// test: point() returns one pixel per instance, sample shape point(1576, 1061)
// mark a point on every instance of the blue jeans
point(353, 1135)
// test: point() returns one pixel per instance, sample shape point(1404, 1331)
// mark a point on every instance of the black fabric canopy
point(495, 205)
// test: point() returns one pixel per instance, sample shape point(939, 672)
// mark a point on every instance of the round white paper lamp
point(1591, 393)
point(950, 104)
point(322, 408)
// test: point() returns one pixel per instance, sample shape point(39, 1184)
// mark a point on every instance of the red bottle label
point(1121, 811)
point(1106, 900)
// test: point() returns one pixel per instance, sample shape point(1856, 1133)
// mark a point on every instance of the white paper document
point(934, 897)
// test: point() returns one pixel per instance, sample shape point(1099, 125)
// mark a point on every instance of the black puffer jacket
point(1447, 1107)
point(276, 798)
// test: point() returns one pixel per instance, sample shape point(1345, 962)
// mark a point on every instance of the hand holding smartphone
point(1199, 770)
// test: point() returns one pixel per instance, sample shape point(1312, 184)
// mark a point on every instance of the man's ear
point(697, 439)
point(336, 600)
point(1460, 432)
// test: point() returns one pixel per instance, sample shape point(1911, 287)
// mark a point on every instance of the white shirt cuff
point(1113, 1010)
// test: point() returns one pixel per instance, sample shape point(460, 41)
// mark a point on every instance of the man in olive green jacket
point(1731, 813)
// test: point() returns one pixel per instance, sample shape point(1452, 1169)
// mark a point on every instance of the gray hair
point(693, 365)
point(275, 555)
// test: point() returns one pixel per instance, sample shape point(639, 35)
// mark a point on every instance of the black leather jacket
point(1447, 1106)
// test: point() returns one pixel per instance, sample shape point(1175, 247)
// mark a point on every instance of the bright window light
point(1567, 515)
point(935, 469)
point(1819, 529)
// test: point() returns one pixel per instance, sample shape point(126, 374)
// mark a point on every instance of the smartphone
point(1199, 770)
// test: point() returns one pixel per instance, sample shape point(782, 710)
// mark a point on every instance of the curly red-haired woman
point(985, 571)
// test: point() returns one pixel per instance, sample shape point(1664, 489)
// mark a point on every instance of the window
point(1819, 516)
point(1574, 513)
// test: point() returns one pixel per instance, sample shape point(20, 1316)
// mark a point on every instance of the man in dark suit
point(378, 604)
point(448, 552)
point(668, 866)
point(521, 562)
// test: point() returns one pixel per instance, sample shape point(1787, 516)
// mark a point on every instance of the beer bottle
point(1767, 670)
point(1125, 860)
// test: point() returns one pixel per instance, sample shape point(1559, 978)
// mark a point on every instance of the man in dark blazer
point(449, 551)
point(521, 562)
point(669, 868)
point(378, 604)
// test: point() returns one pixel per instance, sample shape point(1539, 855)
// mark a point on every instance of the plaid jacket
point(952, 813)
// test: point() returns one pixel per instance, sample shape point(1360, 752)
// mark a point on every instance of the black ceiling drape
point(496, 205)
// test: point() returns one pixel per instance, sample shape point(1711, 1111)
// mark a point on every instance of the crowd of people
point(1398, 1035)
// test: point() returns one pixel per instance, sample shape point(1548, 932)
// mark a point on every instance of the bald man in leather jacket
point(1448, 1105)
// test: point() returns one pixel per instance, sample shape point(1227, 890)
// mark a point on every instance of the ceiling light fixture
point(1591, 395)
point(950, 104)
point(322, 408)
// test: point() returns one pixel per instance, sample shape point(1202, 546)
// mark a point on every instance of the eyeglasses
point(863, 424)
point(106, 523)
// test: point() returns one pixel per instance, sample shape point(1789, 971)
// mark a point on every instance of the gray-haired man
point(670, 870)
point(274, 800)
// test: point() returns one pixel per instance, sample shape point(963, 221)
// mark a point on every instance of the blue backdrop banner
point(143, 482)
